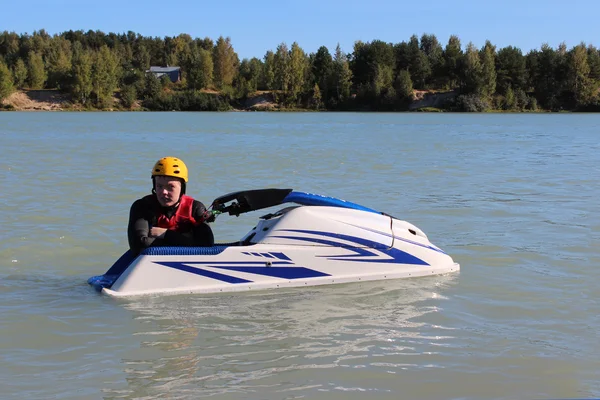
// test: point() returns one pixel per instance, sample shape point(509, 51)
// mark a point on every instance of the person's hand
point(158, 233)
point(208, 216)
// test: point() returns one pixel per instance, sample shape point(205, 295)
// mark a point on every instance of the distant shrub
point(532, 104)
point(468, 103)
point(189, 100)
point(429, 109)
point(128, 96)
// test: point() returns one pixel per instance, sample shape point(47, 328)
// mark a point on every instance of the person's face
point(168, 190)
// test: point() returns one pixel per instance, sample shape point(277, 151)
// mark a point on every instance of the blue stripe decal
point(420, 245)
point(280, 256)
point(291, 272)
point(279, 272)
point(249, 263)
point(397, 256)
point(202, 272)
point(398, 238)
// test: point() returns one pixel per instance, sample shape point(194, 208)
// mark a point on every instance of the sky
point(258, 26)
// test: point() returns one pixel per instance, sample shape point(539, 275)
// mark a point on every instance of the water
point(513, 198)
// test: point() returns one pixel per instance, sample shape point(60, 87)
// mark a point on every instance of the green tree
point(225, 63)
point(6, 81)
point(316, 100)
point(58, 62)
point(201, 70)
point(544, 67)
point(435, 55)
point(419, 67)
point(342, 76)
point(105, 75)
point(402, 56)
point(281, 68)
point(249, 75)
point(453, 56)
point(404, 86)
point(367, 58)
point(521, 99)
point(269, 71)
point(9, 47)
point(141, 56)
point(298, 68)
point(256, 69)
point(472, 72)
point(128, 96)
point(36, 71)
point(20, 73)
point(488, 70)
point(511, 69)
point(510, 101)
point(182, 50)
point(382, 81)
point(594, 63)
point(580, 83)
point(165, 82)
point(242, 82)
point(81, 88)
point(40, 41)
point(322, 70)
point(152, 87)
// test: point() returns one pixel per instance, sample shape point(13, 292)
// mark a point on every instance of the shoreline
point(54, 101)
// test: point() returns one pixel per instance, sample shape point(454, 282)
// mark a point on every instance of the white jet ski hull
point(306, 245)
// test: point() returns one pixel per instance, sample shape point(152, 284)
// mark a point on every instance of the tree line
point(93, 66)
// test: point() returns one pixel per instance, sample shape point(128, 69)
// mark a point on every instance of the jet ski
point(312, 240)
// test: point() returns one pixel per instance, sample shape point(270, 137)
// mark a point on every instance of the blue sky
point(257, 26)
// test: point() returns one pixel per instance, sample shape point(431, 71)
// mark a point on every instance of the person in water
point(168, 217)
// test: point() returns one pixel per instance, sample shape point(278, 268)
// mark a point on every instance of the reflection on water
point(246, 343)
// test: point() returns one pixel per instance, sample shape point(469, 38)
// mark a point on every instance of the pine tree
point(511, 69)
point(269, 70)
point(225, 63)
point(20, 73)
point(594, 63)
point(342, 75)
point(419, 66)
point(435, 54)
point(322, 69)
point(104, 76)
point(453, 56)
point(201, 70)
point(404, 86)
point(579, 76)
point(472, 71)
point(316, 97)
point(36, 71)
point(6, 81)
point(58, 62)
point(509, 99)
point(488, 70)
point(281, 68)
point(81, 88)
point(298, 69)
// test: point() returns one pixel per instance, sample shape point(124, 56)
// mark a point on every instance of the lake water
point(512, 197)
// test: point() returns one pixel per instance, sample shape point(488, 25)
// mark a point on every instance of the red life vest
point(182, 221)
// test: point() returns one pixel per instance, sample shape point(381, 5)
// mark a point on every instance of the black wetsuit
point(143, 216)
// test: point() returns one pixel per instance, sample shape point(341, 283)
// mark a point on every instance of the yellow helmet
point(170, 166)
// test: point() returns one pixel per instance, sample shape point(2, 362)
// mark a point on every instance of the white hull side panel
point(257, 267)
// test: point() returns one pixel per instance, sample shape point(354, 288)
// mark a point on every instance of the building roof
point(164, 69)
